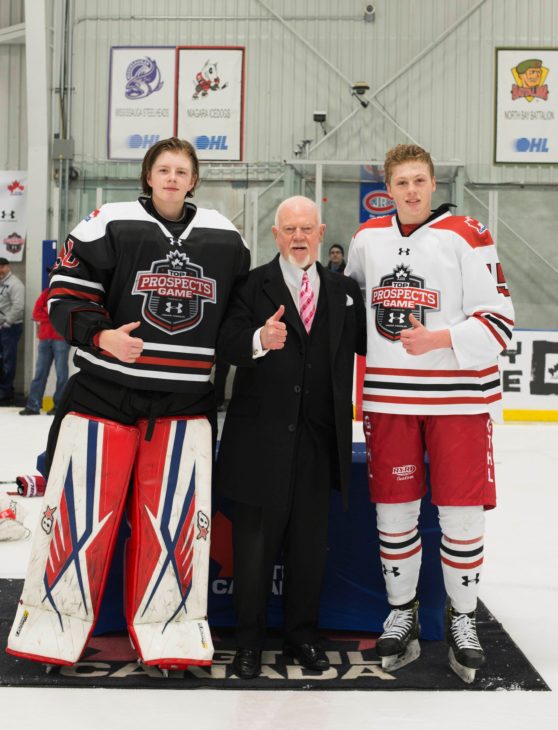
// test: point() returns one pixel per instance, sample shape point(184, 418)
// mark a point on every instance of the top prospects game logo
point(174, 291)
point(399, 295)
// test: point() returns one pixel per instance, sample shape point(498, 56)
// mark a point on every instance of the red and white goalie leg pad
point(74, 541)
point(167, 557)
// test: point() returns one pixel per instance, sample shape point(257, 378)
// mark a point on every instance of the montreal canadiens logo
point(399, 295)
point(175, 292)
point(378, 202)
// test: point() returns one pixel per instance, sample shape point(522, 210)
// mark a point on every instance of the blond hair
point(405, 153)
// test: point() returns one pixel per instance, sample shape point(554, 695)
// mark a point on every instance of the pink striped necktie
point(307, 303)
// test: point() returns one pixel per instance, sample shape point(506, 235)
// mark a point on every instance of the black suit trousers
point(298, 523)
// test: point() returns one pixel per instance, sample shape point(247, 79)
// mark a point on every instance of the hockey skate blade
point(465, 673)
point(396, 661)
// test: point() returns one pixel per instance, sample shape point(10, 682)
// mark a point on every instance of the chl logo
point(175, 292)
point(399, 295)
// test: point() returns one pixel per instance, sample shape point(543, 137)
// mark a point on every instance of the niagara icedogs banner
point(210, 100)
point(13, 214)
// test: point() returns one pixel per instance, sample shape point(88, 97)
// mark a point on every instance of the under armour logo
point(394, 571)
point(396, 318)
point(171, 307)
point(467, 581)
point(405, 251)
point(8, 214)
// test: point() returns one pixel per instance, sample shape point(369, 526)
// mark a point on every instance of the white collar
point(293, 274)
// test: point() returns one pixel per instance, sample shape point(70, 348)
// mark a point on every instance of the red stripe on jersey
point(432, 401)
point(169, 362)
point(497, 316)
point(58, 292)
point(384, 221)
point(400, 556)
point(433, 373)
point(463, 542)
point(397, 534)
point(492, 330)
point(462, 566)
point(197, 364)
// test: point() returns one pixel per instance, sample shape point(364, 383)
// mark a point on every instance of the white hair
point(297, 200)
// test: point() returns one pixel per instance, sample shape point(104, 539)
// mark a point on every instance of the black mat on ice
point(109, 661)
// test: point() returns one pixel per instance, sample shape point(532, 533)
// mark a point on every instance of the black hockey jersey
point(120, 265)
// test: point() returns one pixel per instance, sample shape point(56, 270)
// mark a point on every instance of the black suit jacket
point(257, 445)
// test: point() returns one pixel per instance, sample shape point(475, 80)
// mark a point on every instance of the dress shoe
point(247, 663)
point(310, 656)
point(28, 412)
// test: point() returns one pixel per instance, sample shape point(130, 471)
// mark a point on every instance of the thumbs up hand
point(274, 332)
point(419, 340)
point(121, 344)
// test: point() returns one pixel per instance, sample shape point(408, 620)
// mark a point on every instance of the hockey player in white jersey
point(438, 314)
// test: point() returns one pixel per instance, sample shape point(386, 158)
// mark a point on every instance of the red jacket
point(40, 315)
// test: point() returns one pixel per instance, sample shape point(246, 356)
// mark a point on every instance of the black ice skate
point(399, 645)
point(465, 652)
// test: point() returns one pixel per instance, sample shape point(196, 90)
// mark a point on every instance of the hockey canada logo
point(175, 292)
point(479, 227)
point(399, 295)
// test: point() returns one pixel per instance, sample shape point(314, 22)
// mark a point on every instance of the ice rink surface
point(520, 587)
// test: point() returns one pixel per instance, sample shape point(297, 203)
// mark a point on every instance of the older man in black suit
point(292, 330)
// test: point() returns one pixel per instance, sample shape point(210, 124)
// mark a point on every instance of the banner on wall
point(141, 99)
point(210, 100)
point(13, 214)
point(530, 376)
point(526, 124)
point(374, 201)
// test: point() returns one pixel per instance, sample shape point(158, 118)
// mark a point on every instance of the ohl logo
point(378, 203)
point(215, 142)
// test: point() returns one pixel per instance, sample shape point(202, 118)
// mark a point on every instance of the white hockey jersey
point(447, 274)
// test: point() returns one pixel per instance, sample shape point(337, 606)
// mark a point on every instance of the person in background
point(336, 258)
point(292, 330)
point(52, 348)
point(12, 302)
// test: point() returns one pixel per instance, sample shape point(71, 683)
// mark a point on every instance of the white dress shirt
point(293, 279)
